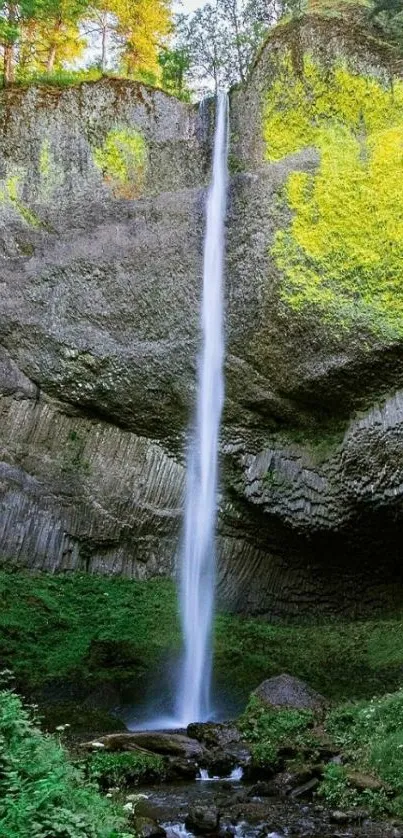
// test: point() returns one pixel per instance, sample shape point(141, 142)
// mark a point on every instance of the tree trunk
point(51, 59)
point(50, 64)
point(238, 41)
point(8, 67)
point(8, 63)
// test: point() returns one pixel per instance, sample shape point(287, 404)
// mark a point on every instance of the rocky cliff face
point(101, 200)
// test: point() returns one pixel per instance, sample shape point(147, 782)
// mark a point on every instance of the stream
point(244, 815)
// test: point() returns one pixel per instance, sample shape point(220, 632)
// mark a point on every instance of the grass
point(341, 660)
point(42, 794)
point(84, 627)
point(70, 78)
point(94, 631)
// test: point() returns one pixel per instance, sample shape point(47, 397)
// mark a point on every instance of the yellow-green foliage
point(123, 159)
point(343, 251)
point(10, 192)
point(45, 159)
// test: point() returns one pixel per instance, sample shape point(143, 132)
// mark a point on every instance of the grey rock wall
point(99, 332)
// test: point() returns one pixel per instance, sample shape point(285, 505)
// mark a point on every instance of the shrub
point(42, 795)
point(124, 769)
point(123, 159)
point(270, 729)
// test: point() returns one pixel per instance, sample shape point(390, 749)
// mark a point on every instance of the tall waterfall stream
point(197, 553)
point(198, 549)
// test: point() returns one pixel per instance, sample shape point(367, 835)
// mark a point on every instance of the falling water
point(198, 553)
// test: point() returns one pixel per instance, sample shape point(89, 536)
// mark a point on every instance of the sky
point(188, 5)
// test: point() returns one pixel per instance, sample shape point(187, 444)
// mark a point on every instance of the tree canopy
point(211, 48)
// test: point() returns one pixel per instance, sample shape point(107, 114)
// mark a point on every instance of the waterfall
point(197, 575)
point(198, 549)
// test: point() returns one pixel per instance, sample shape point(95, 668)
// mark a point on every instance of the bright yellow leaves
point(343, 251)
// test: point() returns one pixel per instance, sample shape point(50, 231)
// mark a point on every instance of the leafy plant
point(370, 736)
point(123, 769)
point(42, 795)
point(335, 788)
point(269, 729)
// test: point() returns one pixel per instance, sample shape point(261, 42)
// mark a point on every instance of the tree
point(13, 15)
point(201, 34)
point(141, 28)
point(59, 31)
point(175, 65)
point(221, 39)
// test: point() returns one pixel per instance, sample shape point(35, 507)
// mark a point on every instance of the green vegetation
point(269, 730)
point(341, 660)
point(42, 795)
point(122, 160)
point(368, 735)
point(73, 460)
point(371, 739)
point(92, 630)
point(124, 769)
point(342, 257)
point(84, 628)
point(10, 190)
point(42, 37)
point(89, 630)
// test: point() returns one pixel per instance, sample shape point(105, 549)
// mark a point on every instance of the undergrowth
point(125, 769)
point(42, 795)
point(95, 630)
point(268, 730)
point(370, 737)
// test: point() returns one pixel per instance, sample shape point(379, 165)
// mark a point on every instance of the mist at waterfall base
point(192, 694)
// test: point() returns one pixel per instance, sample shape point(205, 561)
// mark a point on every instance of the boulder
point(165, 744)
point(224, 748)
point(203, 820)
point(148, 828)
point(223, 760)
point(214, 735)
point(285, 691)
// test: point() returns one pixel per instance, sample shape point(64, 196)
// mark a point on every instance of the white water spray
point(198, 551)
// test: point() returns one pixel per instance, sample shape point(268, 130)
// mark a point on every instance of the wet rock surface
point(148, 828)
point(239, 815)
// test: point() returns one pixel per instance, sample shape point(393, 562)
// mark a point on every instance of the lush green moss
point(268, 730)
point(340, 660)
point(92, 631)
point(86, 628)
point(343, 253)
point(42, 795)
point(124, 769)
point(122, 160)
